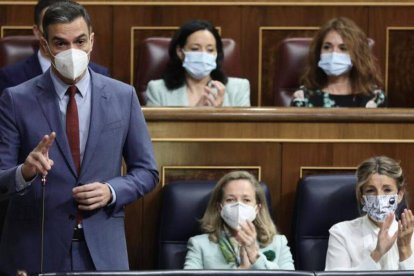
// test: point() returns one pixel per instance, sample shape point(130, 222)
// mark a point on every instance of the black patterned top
point(317, 98)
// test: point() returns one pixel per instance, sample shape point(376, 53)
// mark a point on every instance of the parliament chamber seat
point(183, 205)
point(153, 58)
point(290, 63)
point(321, 202)
point(16, 48)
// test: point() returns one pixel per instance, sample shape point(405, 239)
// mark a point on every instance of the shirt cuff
point(22, 184)
point(113, 195)
point(407, 264)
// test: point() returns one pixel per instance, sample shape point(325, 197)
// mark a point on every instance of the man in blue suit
point(82, 226)
point(39, 62)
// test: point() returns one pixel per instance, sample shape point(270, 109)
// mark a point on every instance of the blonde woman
point(377, 240)
point(239, 233)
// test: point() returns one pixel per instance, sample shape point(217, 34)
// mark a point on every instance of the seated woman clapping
point(239, 233)
point(194, 75)
point(382, 238)
point(341, 69)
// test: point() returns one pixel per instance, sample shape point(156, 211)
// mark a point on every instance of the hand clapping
point(212, 96)
point(402, 236)
point(247, 237)
point(405, 232)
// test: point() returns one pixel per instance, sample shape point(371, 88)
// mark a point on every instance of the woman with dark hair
point(378, 240)
point(194, 75)
point(341, 70)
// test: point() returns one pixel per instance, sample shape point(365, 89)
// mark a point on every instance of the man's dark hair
point(64, 12)
point(40, 6)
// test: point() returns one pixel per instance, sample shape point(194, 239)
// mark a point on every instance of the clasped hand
point(249, 251)
point(402, 236)
point(212, 96)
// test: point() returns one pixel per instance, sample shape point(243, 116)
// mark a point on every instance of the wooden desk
point(277, 144)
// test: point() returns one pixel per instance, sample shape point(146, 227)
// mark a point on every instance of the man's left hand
point(92, 196)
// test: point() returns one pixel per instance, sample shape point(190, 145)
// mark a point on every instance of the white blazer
point(351, 243)
point(237, 93)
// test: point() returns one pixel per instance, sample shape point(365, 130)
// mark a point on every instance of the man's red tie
point(72, 126)
point(72, 132)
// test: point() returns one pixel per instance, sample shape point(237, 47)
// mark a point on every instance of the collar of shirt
point(61, 87)
point(44, 62)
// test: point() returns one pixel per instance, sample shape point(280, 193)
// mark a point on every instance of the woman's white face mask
point(335, 64)
point(236, 213)
point(199, 64)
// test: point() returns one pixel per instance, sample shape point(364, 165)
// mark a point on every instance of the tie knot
point(72, 91)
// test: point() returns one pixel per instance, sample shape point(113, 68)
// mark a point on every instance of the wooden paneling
point(400, 62)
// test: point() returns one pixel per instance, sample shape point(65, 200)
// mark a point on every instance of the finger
point(220, 87)
point(388, 221)
point(86, 187)
point(38, 161)
point(410, 218)
point(251, 227)
point(45, 143)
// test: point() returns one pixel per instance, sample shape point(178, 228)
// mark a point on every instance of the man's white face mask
point(70, 63)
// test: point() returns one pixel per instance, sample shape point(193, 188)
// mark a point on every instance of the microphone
point(42, 245)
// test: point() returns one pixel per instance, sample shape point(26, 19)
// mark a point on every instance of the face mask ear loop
point(50, 52)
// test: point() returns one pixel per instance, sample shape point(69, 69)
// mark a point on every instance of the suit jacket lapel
point(100, 100)
point(50, 107)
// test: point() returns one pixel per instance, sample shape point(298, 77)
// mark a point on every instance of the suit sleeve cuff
point(22, 184)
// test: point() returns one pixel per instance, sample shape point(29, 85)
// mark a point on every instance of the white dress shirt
point(44, 62)
point(351, 243)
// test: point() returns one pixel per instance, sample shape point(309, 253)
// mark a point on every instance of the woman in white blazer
point(377, 240)
point(239, 233)
point(194, 76)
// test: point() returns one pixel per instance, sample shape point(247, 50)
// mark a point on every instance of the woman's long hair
point(365, 75)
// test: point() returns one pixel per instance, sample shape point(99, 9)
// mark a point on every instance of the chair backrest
point(153, 58)
point(290, 63)
point(321, 202)
point(16, 48)
point(183, 205)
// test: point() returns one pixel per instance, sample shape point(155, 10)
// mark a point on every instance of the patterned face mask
point(379, 207)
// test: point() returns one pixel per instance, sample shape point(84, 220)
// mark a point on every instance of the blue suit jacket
point(29, 68)
point(118, 129)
